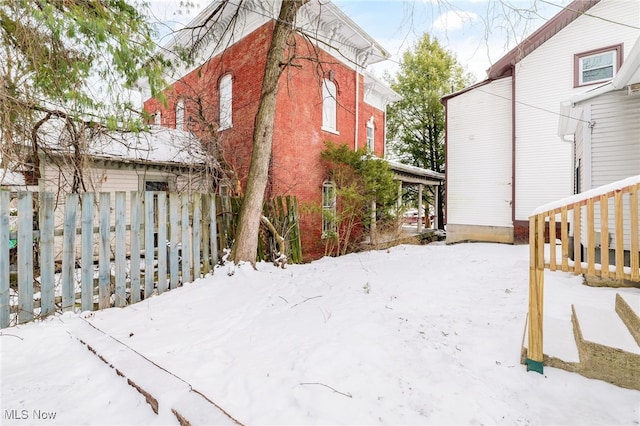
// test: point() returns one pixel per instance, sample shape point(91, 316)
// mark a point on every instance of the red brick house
point(325, 95)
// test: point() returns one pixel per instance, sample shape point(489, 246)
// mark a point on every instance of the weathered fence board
point(104, 273)
point(87, 251)
point(186, 241)
point(5, 284)
point(134, 238)
point(197, 221)
point(47, 267)
point(25, 254)
point(121, 250)
point(92, 258)
point(174, 212)
point(162, 242)
point(67, 280)
point(149, 228)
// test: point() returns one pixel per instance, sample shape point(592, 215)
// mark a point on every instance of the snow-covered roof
point(158, 145)
point(417, 172)
point(9, 178)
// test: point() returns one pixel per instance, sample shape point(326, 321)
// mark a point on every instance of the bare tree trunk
point(245, 245)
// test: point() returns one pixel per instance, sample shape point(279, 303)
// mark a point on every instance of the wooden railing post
point(534, 359)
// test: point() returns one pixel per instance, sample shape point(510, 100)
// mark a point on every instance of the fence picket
point(149, 249)
point(213, 232)
point(186, 240)
point(197, 224)
point(47, 266)
point(25, 257)
point(134, 237)
point(87, 251)
point(162, 242)
point(104, 265)
point(174, 217)
point(67, 278)
point(4, 259)
point(121, 249)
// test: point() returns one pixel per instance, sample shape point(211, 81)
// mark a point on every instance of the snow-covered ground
point(411, 335)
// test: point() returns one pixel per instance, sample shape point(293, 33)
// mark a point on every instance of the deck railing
point(598, 235)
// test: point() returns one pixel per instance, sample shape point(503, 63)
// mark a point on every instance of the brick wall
point(296, 168)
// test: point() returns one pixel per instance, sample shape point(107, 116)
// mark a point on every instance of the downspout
point(357, 108)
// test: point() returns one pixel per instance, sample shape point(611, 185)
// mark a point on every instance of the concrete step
point(607, 350)
point(162, 389)
point(628, 309)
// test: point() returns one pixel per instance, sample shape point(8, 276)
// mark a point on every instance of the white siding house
point(479, 197)
point(545, 69)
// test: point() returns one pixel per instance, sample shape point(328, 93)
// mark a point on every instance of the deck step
point(628, 308)
point(607, 350)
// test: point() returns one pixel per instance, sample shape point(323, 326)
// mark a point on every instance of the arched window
point(328, 209)
point(157, 119)
point(329, 105)
point(226, 102)
point(180, 115)
point(370, 135)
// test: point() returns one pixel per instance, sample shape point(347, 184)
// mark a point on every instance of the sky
point(426, 335)
point(478, 32)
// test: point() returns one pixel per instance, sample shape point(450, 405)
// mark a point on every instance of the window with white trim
point(180, 115)
point(370, 135)
point(157, 119)
point(226, 102)
point(597, 66)
point(328, 209)
point(329, 106)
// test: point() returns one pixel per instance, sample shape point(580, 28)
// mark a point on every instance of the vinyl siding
point(543, 80)
point(615, 148)
point(479, 156)
point(615, 139)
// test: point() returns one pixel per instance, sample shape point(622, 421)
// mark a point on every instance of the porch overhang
point(415, 175)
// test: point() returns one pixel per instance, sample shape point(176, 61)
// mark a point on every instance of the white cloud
point(453, 20)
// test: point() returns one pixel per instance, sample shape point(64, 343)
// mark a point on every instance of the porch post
point(419, 208)
point(436, 204)
point(535, 352)
point(399, 194)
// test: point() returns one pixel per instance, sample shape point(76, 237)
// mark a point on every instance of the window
point(157, 119)
point(329, 105)
point(226, 102)
point(180, 115)
point(597, 66)
point(370, 135)
point(328, 209)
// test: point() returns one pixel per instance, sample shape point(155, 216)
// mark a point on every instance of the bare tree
point(246, 242)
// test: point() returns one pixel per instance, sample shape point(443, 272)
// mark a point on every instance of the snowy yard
point(411, 335)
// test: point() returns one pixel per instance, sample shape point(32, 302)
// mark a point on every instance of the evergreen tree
point(416, 124)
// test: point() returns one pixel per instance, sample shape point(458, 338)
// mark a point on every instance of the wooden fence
point(164, 241)
point(605, 245)
point(94, 251)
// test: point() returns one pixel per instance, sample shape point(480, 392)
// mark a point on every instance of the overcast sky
point(478, 32)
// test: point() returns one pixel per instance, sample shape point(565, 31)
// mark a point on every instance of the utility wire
point(611, 21)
